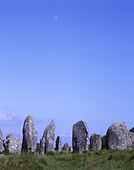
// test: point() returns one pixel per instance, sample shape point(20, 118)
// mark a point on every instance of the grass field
point(104, 159)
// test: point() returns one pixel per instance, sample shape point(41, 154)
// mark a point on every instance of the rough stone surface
point(58, 144)
point(1, 142)
point(65, 147)
point(131, 134)
point(130, 140)
point(95, 142)
point(70, 149)
point(42, 145)
point(118, 137)
point(80, 137)
point(47, 141)
point(13, 144)
point(29, 135)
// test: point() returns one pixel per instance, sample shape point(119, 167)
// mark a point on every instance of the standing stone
point(95, 142)
point(130, 140)
point(58, 144)
point(47, 141)
point(131, 134)
point(29, 135)
point(118, 137)
point(13, 144)
point(70, 149)
point(42, 146)
point(1, 142)
point(80, 137)
point(65, 147)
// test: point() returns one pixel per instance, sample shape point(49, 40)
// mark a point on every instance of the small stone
point(70, 149)
point(65, 147)
point(130, 140)
point(80, 137)
point(1, 142)
point(13, 144)
point(29, 135)
point(42, 146)
point(95, 142)
point(131, 134)
point(58, 144)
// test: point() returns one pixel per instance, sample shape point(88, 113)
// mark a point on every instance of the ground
point(100, 160)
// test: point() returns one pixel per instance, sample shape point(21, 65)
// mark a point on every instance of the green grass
point(100, 160)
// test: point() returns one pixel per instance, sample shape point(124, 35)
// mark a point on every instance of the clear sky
point(66, 60)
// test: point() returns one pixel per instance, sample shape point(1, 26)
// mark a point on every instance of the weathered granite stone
point(70, 149)
point(65, 147)
point(58, 144)
point(42, 145)
point(29, 135)
point(80, 137)
point(1, 142)
point(47, 141)
point(95, 142)
point(13, 144)
point(130, 140)
point(131, 134)
point(118, 137)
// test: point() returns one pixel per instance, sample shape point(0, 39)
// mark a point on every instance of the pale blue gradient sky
point(66, 60)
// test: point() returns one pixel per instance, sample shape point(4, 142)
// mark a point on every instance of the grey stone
point(65, 147)
point(58, 144)
point(130, 140)
point(13, 144)
point(42, 145)
point(95, 142)
point(70, 149)
point(29, 135)
point(80, 137)
point(1, 142)
point(131, 134)
point(118, 137)
point(47, 141)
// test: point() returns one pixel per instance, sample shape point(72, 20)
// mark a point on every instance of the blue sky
point(66, 60)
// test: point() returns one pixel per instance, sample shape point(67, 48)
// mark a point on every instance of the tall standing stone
point(80, 137)
point(65, 147)
point(13, 144)
point(58, 144)
point(29, 135)
point(95, 142)
point(47, 141)
point(1, 142)
point(118, 137)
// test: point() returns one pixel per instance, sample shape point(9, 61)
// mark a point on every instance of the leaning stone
point(95, 142)
point(118, 137)
point(29, 135)
point(58, 144)
point(13, 144)
point(1, 142)
point(65, 147)
point(47, 141)
point(80, 137)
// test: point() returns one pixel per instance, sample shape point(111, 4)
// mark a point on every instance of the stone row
point(117, 137)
